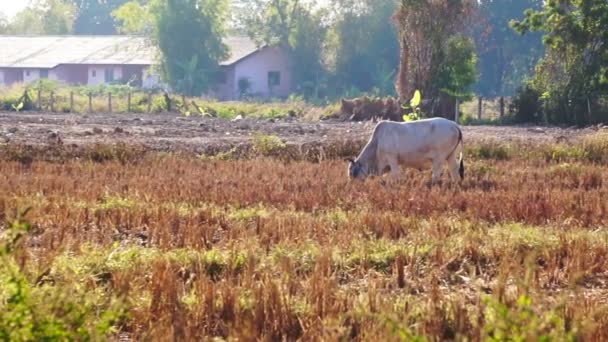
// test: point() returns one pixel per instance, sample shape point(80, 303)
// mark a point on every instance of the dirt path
point(171, 131)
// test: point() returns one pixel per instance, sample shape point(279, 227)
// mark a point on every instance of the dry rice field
point(273, 243)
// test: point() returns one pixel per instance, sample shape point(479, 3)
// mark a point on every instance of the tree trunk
point(446, 106)
point(403, 85)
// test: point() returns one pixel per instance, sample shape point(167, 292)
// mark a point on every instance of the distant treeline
point(346, 48)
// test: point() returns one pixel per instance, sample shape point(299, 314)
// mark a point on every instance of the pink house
point(266, 71)
point(91, 60)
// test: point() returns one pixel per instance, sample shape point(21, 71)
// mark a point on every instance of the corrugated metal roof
point(240, 47)
point(50, 51)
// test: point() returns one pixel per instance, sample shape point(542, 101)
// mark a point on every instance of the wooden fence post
point(129, 102)
point(457, 111)
point(40, 98)
point(149, 102)
point(71, 102)
point(502, 106)
point(184, 103)
point(52, 102)
point(90, 103)
point(109, 102)
point(479, 107)
point(589, 114)
point(168, 102)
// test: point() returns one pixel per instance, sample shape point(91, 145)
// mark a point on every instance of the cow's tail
point(461, 167)
point(461, 163)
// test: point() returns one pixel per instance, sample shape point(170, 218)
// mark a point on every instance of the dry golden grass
point(272, 249)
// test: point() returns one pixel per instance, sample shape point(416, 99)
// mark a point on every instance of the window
point(109, 75)
point(274, 78)
point(44, 73)
point(94, 73)
point(27, 73)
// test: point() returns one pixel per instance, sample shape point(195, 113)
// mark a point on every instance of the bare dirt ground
point(171, 131)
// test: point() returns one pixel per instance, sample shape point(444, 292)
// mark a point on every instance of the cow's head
point(355, 169)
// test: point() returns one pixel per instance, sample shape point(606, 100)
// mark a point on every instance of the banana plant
point(18, 107)
point(192, 75)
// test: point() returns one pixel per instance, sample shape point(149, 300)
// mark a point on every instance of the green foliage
point(43, 17)
point(459, 70)
point(526, 105)
point(363, 47)
point(190, 37)
point(268, 22)
point(307, 43)
point(410, 117)
point(490, 150)
point(505, 58)
point(267, 144)
point(95, 17)
point(416, 100)
point(192, 76)
point(16, 99)
point(296, 26)
point(521, 322)
point(47, 312)
point(572, 75)
point(428, 34)
point(415, 106)
point(133, 18)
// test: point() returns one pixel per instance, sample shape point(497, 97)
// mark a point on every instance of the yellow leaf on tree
point(415, 101)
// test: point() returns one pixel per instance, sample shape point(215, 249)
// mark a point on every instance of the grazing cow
point(411, 144)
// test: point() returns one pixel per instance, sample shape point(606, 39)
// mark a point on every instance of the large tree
point(426, 32)
point(505, 58)
point(269, 21)
point(573, 75)
point(95, 16)
point(43, 17)
point(189, 34)
point(134, 17)
point(295, 25)
point(365, 48)
point(306, 44)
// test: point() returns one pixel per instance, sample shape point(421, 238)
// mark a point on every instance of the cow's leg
point(437, 170)
point(393, 164)
point(453, 165)
point(395, 168)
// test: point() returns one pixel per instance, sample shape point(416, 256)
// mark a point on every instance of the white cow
point(411, 144)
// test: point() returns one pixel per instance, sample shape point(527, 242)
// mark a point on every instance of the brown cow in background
point(389, 108)
point(366, 108)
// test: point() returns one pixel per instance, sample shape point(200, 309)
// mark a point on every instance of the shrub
point(48, 312)
point(266, 144)
point(490, 150)
point(526, 105)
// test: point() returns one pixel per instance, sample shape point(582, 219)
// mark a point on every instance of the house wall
point(150, 79)
point(225, 91)
point(77, 74)
point(99, 71)
point(133, 74)
point(30, 75)
point(256, 68)
point(12, 76)
point(70, 73)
